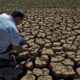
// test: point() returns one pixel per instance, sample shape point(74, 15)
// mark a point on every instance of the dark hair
point(18, 13)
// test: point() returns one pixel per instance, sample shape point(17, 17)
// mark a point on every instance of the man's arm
point(18, 48)
point(21, 48)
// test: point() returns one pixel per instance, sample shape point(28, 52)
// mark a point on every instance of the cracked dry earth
point(55, 33)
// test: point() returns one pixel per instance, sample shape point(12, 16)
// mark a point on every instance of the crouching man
point(10, 38)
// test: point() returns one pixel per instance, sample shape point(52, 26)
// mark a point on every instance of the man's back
point(5, 31)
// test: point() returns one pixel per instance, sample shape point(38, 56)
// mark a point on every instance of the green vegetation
point(23, 4)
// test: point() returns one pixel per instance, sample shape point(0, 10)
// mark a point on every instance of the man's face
point(19, 20)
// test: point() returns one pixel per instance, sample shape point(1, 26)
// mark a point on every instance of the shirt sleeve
point(14, 36)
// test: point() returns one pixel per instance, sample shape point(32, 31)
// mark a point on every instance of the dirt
point(56, 35)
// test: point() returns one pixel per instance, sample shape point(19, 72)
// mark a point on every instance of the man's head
point(18, 16)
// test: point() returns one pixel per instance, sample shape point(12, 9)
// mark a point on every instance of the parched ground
point(55, 33)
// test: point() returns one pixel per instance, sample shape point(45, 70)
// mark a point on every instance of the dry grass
point(23, 4)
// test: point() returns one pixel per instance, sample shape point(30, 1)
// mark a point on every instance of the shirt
point(9, 33)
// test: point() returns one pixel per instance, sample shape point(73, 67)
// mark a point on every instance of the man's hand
point(23, 49)
point(30, 49)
